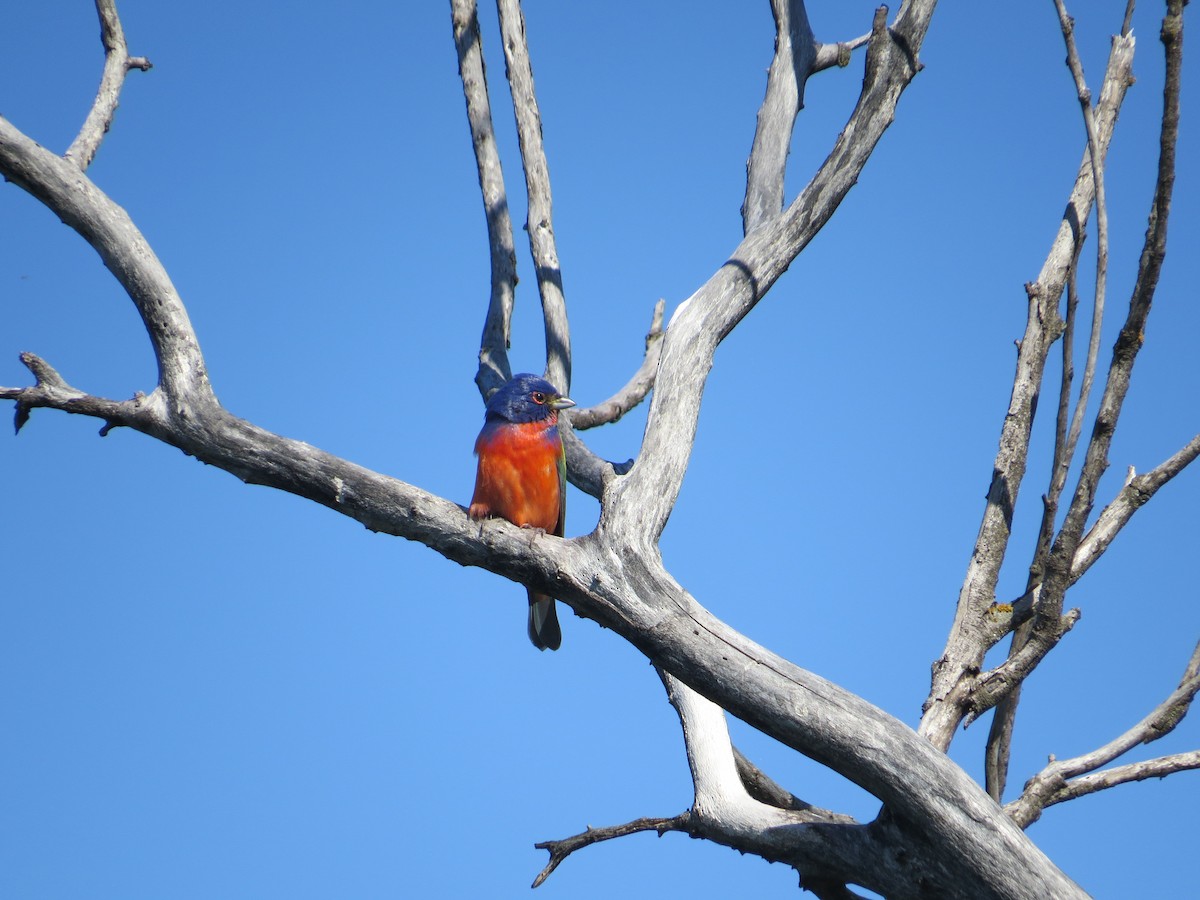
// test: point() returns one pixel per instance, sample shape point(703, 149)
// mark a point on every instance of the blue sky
point(214, 690)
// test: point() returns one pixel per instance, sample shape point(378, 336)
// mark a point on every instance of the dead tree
point(938, 832)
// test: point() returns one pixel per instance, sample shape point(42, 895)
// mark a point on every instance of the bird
point(522, 475)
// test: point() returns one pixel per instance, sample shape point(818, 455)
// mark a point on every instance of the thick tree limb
point(117, 64)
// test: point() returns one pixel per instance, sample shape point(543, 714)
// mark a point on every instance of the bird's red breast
point(520, 476)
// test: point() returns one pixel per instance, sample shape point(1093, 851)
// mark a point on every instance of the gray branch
point(537, 183)
point(117, 64)
point(798, 55)
point(996, 755)
point(641, 501)
point(971, 635)
point(1048, 622)
point(1067, 779)
point(1136, 492)
point(635, 390)
point(494, 368)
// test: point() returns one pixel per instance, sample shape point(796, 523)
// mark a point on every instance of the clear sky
point(214, 690)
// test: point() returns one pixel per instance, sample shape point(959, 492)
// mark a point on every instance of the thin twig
point(1136, 492)
point(1101, 208)
point(117, 64)
point(561, 849)
point(1054, 783)
point(634, 391)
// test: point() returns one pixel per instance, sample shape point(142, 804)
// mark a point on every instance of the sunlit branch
point(634, 391)
point(971, 634)
point(539, 223)
point(71, 195)
point(117, 64)
point(996, 753)
point(494, 368)
point(797, 56)
point(1061, 780)
point(716, 308)
point(1137, 490)
point(1048, 623)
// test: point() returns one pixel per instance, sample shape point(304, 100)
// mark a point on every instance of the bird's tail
point(543, 622)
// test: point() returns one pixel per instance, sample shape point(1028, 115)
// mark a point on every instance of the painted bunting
point(522, 475)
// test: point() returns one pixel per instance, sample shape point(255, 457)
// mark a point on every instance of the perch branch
point(117, 63)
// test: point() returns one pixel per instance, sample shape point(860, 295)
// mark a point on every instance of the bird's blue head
point(526, 398)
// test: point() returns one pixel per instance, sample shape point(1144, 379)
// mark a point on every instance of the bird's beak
point(560, 403)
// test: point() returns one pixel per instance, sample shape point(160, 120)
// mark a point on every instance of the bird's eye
point(538, 397)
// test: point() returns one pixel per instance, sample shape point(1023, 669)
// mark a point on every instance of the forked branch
point(971, 634)
point(1047, 628)
point(1067, 779)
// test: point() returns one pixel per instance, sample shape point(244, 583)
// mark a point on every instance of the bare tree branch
point(494, 368)
point(1136, 492)
point(117, 64)
point(1160, 767)
point(641, 501)
point(954, 674)
point(1048, 623)
point(564, 847)
point(634, 391)
point(996, 754)
point(797, 56)
point(586, 471)
point(72, 196)
point(1054, 785)
point(938, 831)
point(537, 182)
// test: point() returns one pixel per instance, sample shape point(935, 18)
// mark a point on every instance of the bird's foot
point(535, 533)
